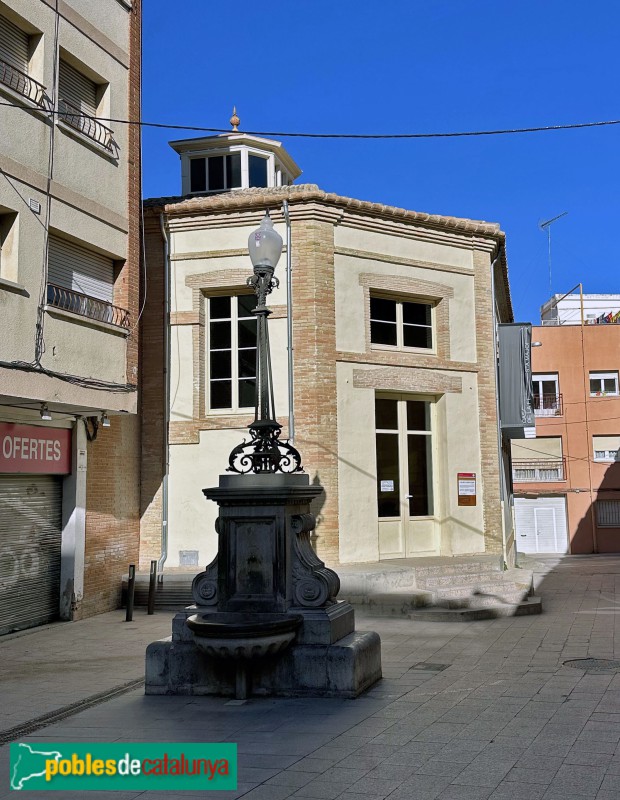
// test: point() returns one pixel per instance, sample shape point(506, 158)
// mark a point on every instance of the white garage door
point(541, 525)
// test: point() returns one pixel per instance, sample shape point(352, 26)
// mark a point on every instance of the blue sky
point(403, 66)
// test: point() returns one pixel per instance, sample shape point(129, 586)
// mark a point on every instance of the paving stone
point(484, 774)
point(518, 791)
point(578, 778)
point(544, 776)
point(456, 792)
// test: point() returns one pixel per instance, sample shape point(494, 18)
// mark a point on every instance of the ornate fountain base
point(344, 668)
point(266, 620)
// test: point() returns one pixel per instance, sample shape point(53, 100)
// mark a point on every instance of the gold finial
point(234, 120)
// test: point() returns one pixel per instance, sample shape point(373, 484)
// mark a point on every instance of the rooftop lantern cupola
point(234, 160)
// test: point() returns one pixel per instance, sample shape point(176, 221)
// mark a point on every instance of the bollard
point(131, 585)
point(152, 578)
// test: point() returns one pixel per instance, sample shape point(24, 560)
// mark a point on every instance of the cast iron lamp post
point(264, 453)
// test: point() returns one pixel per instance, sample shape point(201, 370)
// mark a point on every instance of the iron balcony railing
point(548, 405)
point(538, 471)
point(23, 84)
point(77, 303)
point(89, 126)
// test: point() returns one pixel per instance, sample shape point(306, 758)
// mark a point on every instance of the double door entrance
point(405, 496)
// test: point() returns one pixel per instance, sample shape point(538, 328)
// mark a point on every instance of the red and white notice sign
point(466, 484)
point(30, 448)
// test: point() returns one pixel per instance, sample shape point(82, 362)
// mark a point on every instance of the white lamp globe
point(265, 244)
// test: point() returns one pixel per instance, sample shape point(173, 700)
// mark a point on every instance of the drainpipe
point(499, 426)
point(289, 322)
point(164, 486)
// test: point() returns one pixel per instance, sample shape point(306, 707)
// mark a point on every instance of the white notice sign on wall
point(467, 486)
point(387, 486)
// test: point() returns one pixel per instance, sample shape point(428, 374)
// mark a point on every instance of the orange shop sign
point(34, 449)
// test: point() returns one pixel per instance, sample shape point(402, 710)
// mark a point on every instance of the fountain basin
point(243, 635)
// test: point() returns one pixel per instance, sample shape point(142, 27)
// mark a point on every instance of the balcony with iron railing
point(85, 306)
point(548, 405)
point(23, 84)
point(87, 125)
point(538, 470)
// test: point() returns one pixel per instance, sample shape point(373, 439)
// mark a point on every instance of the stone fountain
point(266, 620)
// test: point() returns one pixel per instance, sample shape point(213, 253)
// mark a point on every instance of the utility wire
point(305, 135)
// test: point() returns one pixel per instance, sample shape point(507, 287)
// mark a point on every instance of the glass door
point(404, 471)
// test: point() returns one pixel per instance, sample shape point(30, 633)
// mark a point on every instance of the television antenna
point(546, 226)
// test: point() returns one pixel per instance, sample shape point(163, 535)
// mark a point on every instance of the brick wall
point(112, 490)
point(314, 335)
point(487, 389)
point(112, 520)
point(152, 394)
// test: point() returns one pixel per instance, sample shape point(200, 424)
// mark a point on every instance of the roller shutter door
point(13, 45)
point(74, 267)
point(77, 89)
point(30, 536)
point(541, 525)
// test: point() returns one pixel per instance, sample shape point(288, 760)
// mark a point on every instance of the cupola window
point(258, 171)
point(216, 173)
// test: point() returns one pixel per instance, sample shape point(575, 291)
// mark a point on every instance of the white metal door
point(541, 525)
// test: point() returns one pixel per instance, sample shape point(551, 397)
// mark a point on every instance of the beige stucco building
point(395, 362)
point(69, 289)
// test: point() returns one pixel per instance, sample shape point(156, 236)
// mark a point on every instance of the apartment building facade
point(394, 317)
point(567, 480)
point(69, 289)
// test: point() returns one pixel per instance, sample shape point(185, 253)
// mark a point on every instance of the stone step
point(172, 593)
point(498, 589)
point(395, 604)
point(457, 567)
point(481, 600)
point(532, 605)
point(436, 583)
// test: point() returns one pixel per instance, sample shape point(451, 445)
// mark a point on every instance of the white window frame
point(606, 455)
point(234, 347)
point(206, 159)
point(400, 346)
point(245, 152)
point(602, 376)
point(541, 411)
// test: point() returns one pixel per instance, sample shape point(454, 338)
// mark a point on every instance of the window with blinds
point(14, 45)
point(78, 100)
point(606, 448)
point(82, 282)
point(74, 267)
point(77, 90)
point(15, 54)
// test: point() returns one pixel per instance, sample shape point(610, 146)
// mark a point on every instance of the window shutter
point(13, 45)
point(606, 442)
point(74, 267)
point(608, 513)
point(77, 90)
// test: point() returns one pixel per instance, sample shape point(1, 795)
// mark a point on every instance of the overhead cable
point(306, 135)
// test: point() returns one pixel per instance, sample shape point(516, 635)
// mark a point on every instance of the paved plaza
point(466, 711)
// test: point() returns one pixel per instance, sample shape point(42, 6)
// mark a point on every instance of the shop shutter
point(30, 536)
point(77, 90)
point(13, 45)
point(74, 267)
